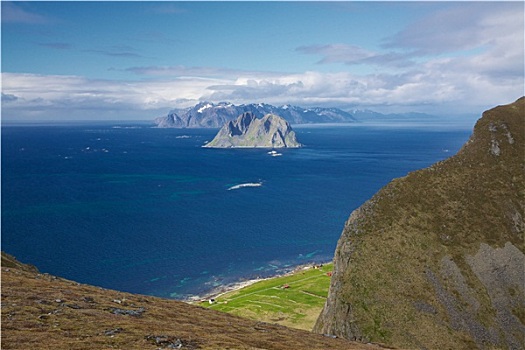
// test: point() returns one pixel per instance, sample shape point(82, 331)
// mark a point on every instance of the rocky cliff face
point(436, 259)
point(248, 131)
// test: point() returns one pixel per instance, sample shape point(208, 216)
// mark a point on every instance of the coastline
point(235, 286)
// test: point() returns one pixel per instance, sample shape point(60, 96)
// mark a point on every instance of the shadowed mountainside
point(435, 259)
point(41, 311)
point(248, 131)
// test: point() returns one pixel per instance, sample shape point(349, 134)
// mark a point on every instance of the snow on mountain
point(206, 106)
point(210, 115)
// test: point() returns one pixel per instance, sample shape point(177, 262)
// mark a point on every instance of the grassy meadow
point(294, 300)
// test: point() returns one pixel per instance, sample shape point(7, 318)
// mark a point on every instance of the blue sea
point(147, 210)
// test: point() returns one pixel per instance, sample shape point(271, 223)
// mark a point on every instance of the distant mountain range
point(211, 115)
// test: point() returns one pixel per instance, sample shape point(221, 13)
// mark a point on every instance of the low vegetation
point(436, 259)
point(41, 311)
point(293, 300)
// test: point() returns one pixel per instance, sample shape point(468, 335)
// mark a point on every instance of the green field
point(296, 306)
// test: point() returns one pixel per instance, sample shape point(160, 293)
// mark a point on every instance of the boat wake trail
point(249, 184)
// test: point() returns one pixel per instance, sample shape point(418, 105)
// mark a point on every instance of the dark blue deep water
point(147, 210)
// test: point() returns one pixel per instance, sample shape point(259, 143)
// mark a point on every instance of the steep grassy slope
point(40, 311)
point(435, 259)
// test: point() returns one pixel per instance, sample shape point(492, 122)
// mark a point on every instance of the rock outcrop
point(435, 260)
point(247, 131)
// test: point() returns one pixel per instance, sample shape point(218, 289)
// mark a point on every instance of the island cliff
point(435, 260)
point(247, 131)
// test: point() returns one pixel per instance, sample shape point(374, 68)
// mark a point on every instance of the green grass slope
point(294, 300)
point(435, 259)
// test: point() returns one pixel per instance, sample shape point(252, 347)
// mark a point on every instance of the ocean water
point(147, 210)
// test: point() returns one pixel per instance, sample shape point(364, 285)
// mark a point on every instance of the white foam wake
point(249, 184)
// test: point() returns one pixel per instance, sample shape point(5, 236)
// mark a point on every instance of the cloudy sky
point(137, 60)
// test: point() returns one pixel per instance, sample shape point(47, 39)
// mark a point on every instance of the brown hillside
point(435, 259)
point(40, 311)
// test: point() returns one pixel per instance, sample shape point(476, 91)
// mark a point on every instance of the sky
point(137, 60)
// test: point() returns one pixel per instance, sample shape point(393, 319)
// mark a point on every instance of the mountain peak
point(209, 115)
point(241, 124)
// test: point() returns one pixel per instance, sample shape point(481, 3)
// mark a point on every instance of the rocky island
point(248, 131)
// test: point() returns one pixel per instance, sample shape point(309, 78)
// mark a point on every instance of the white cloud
point(338, 53)
point(482, 66)
point(462, 27)
point(52, 96)
point(177, 71)
point(352, 55)
point(6, 98)
point(77, 97)
point(493, 31)
point(466, 54)
point(15, 13)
